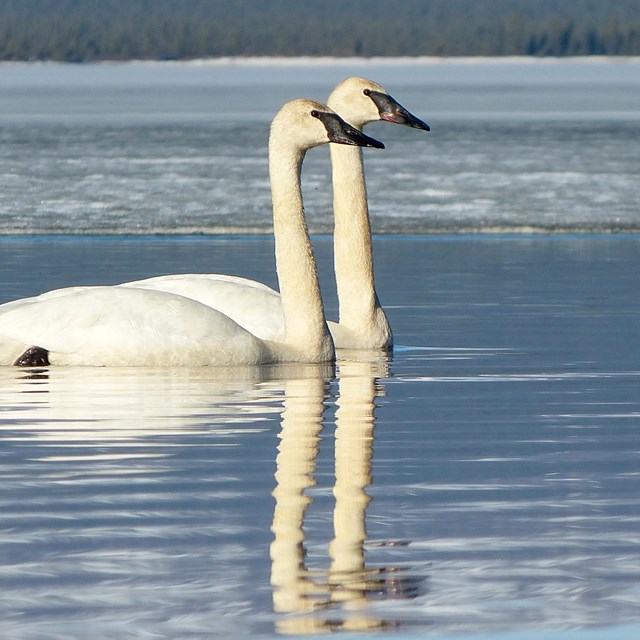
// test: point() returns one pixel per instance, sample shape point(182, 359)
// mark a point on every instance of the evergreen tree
point(86, 30)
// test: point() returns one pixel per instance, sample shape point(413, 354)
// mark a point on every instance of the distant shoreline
point(300, 61)
point(259, 232)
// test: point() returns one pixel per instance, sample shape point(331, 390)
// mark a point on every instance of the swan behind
point(363, 323)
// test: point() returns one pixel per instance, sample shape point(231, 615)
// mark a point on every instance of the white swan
point(363, 323)
point(118, 326)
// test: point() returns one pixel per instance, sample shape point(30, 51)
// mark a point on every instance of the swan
point(121, 326)
point(257, 307)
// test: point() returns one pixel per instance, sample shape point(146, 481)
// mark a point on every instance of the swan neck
point(306, 330)
point(353, 252)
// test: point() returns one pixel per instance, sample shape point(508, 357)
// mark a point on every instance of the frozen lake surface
point(516, 144)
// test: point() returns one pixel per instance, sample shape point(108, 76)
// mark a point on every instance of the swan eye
point(367, 92)
point(315, 113)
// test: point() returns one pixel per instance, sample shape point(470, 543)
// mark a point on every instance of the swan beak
point(391, 110)
point(341, 132)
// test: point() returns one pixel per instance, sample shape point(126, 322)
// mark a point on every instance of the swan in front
point(122, 326)
point(363, 323)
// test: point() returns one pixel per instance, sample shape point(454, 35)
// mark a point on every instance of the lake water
point(482, 481)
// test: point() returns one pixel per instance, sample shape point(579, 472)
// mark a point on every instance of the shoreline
point(321, 61)
point(525, 230)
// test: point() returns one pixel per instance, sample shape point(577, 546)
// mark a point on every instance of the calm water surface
point(483, 480)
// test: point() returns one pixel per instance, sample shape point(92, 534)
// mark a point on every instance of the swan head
point(306, 124)
point(360, 101)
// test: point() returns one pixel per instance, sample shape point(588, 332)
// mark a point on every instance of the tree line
point(95, 30)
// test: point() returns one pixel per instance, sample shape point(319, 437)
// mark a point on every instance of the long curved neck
point(353, 253)
point(306, 329)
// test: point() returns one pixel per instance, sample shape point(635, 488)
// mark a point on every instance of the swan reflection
point(338, 600)
point(162, 478)
point(69, 405)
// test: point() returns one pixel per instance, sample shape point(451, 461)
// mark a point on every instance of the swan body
point(363, 323)
point(127, 326)
point(110, 326)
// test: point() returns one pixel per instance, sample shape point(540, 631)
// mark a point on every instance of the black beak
point(343, 133)
point(391, 110)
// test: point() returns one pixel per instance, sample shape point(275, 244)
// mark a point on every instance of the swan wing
point(112, 326)
point(253, 305)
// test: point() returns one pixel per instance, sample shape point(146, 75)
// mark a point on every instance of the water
point(480, 482)
point(145, 148)
point(483, 481)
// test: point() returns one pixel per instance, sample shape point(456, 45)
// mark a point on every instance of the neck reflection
point(344, 592)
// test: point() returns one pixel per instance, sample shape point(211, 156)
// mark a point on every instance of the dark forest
point(93, 30)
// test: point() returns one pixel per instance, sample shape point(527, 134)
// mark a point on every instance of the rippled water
point(182, 147)
point(482, 481)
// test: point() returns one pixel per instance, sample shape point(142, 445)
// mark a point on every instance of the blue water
point(481, 482)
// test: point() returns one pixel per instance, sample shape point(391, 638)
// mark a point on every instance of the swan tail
point(33, 357)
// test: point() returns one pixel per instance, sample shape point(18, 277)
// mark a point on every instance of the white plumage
point(363, 323)
point(127, 326)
